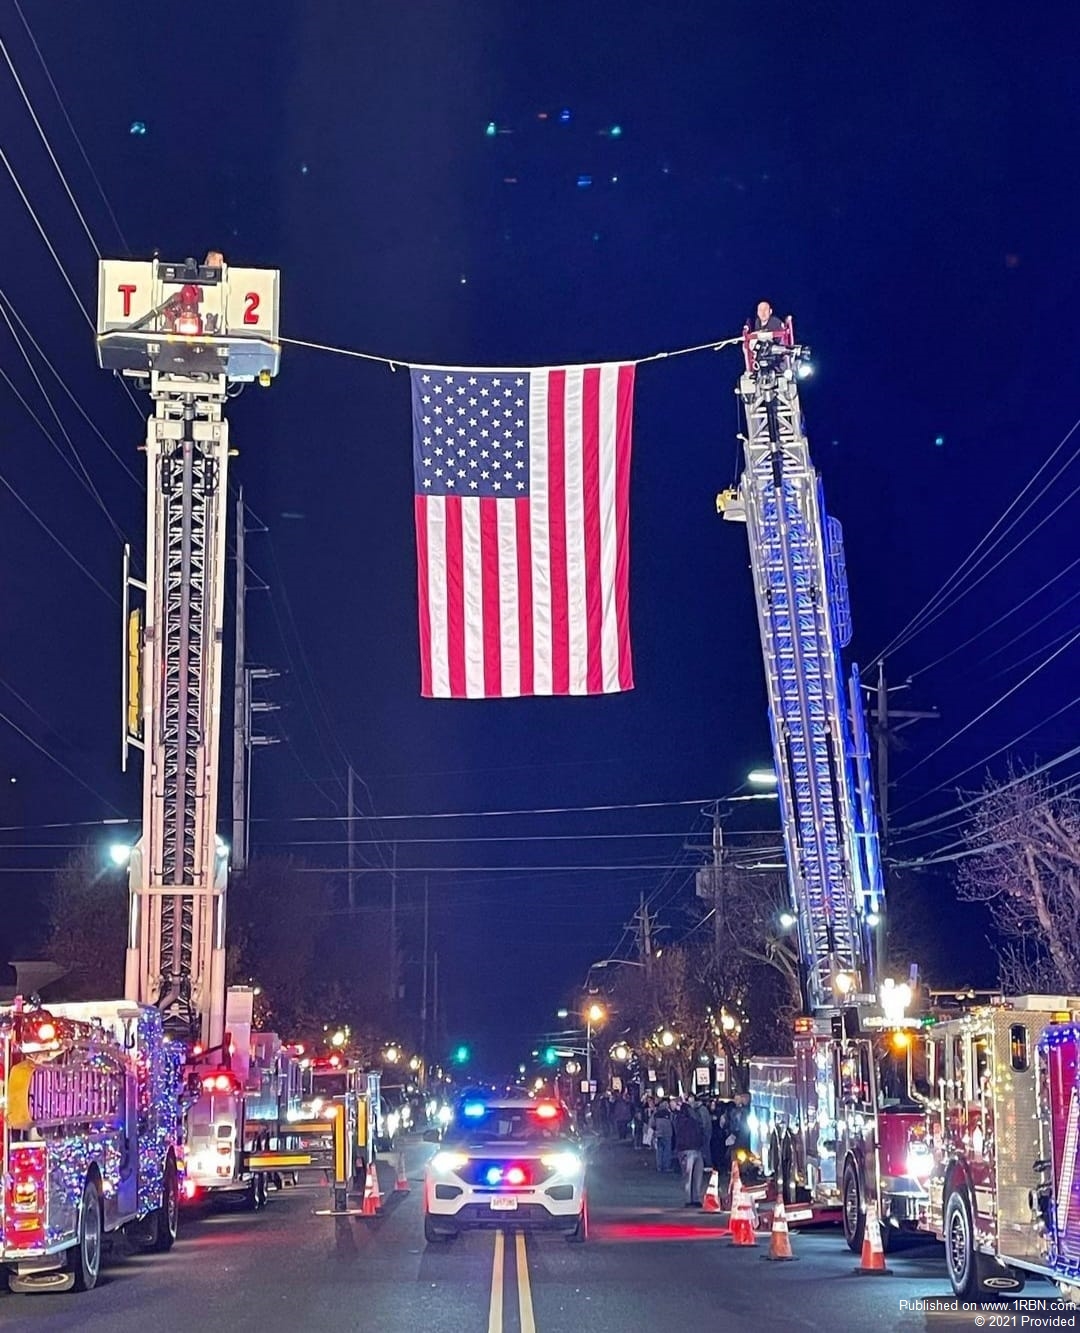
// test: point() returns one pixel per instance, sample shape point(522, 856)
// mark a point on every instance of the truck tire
point(167, 1217)
point(85, 1260)
point(851, 1202)
point(961, 1258)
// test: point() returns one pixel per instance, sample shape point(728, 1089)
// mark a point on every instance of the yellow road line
point(495, 1310)
point(525, 1306)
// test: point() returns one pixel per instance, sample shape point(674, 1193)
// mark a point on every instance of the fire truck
point(89, 1138)
point(193, 335)
point(832, 1124)
point(336, 1081)
point(1004, 1134)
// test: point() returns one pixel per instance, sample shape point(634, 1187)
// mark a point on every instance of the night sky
point(903, 185)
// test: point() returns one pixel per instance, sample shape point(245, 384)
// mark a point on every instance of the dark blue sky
point(897, 182)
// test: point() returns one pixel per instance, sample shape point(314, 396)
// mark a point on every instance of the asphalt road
point(649, 1264)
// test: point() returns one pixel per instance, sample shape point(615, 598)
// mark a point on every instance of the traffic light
point(551, 1056)
point(461, 1055)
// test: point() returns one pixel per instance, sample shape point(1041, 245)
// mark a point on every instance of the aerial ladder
point(820, 743)
point(838, 1124)
point(192, 335)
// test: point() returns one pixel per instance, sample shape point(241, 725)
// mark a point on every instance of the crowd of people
point(693, 1135)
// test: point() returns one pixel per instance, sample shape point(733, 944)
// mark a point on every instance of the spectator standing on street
point(622, 1114)
point(701, 1110)
point(689, 1139)
point(663, 1135)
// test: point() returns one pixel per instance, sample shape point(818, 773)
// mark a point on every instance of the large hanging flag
point(523, 530)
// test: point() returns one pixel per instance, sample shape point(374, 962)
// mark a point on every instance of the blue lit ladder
point(800, 586)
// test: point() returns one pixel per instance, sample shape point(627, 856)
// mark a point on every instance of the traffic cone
point(741, 1224)
point(401, 1185)
point(372, 1198)
point(734, 1183)
point(872, 1261)
point(711, 1202)
point(780, 1238)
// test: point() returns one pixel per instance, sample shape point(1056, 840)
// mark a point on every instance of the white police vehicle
point(506, 1162)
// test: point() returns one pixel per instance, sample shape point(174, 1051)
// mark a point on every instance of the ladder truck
point(192, 335)
point(835, 1125)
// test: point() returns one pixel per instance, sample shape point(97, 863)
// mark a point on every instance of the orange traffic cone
point(711, 1202)
point(372, 1198)
point(401, 1185)
point(742, 1223)
point(780, 1239)
point(872, 1260)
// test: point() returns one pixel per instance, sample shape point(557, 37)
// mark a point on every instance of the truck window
point(1018, 1047)
point(982, 1066)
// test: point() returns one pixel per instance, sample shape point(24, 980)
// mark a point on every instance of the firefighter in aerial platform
point(765, 321)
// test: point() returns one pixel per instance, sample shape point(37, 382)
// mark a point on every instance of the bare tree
point(1025, 865)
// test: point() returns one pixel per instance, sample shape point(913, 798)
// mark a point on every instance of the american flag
point(522, 530)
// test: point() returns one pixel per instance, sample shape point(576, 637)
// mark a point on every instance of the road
point(649, 1264)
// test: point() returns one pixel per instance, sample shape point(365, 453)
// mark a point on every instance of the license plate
point(504, 1204)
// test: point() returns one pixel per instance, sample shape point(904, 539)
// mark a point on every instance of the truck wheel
point(167, 1217)
point(85, 1258)
point(853, 1216)
point(960, 1256)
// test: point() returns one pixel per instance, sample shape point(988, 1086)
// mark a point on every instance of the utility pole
point(240, 705)
point(644, 931)
point(887, 722)
point(393, 927)
point(349, 824)
point(435, 998)
point(709, 881)
point(424, 986)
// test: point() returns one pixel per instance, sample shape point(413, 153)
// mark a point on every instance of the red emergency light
point(219, 1083)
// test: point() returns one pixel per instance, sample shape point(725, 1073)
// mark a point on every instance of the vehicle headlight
point(920, 1161)
point(566, 1163)
point(448, 1161)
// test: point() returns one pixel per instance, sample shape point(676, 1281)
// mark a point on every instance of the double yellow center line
point(524, 1287)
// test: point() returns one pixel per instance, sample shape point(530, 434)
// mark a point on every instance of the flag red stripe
point(420, 507)
point(560, 604)
point(455, 597)
point(590, 443)
point(524, 594)
point(489, 576)
point(623, 439)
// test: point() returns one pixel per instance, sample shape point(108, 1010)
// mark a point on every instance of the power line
point(538, 810)
point(1000, 699)
point(63, 384)
point(78, 467)
point(66, 550)
point(71, 127)
point(58, 762)
point(919, 621)
point(48, 146)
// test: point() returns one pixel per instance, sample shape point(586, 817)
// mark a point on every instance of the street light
point(667, 1038)
point(596, 1013)
point(119, 853)
point(616, 962)
point(787, 920)
point(390, 1055)
point(761, 777)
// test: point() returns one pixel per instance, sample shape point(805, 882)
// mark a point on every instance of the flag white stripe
point(577, 624)
point(538, 532)
point(609, 639)
point(472, 579)
point(436, 544)
point(506, 514)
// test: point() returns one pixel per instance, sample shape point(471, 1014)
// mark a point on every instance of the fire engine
point(1004, 1189)
point(834, 1124)
point(89, 1138)
point(335, 1080)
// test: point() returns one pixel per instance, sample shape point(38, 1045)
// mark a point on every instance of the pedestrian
point(702, 1112)
point(663, 1132)
point(622, 1113)
point(689, 1139)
